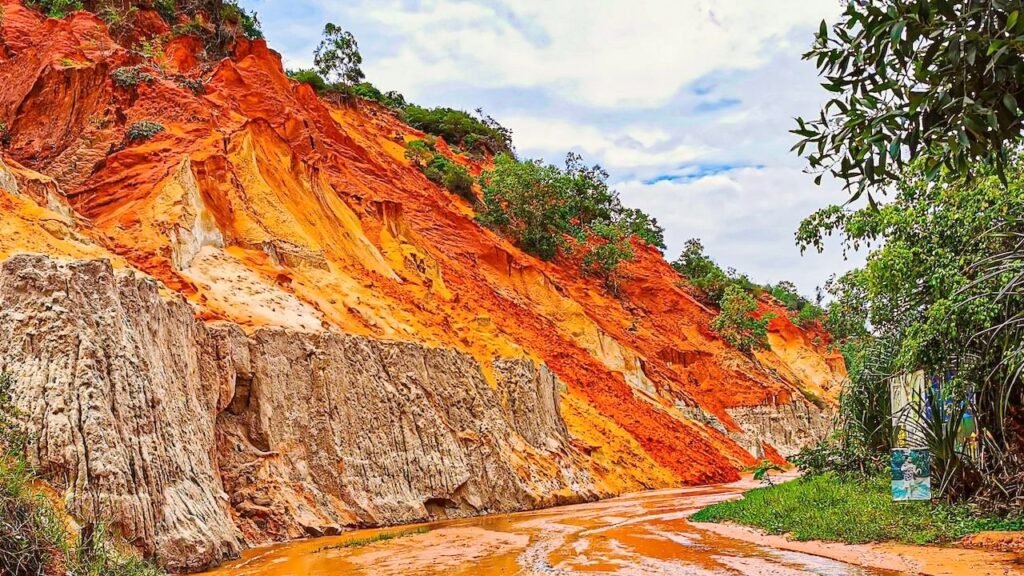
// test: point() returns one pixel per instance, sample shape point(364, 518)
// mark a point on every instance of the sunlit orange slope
point(264, 205)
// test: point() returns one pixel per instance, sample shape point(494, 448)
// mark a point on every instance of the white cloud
point(598, 52)
point(746, 218)
point(631, 147)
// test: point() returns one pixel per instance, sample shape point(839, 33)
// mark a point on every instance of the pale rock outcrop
point(198, 439)
point(114, 383)
point(787, 427)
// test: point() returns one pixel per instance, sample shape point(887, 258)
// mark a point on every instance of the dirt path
point(638, 535)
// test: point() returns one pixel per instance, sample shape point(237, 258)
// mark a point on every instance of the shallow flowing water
point(638, 535)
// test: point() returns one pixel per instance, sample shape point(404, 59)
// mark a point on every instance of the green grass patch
point(381, 537)
point(850, 509)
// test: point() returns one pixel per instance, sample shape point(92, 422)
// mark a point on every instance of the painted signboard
point(911, 474)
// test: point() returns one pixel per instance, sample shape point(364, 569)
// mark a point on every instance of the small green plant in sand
point(380, 537)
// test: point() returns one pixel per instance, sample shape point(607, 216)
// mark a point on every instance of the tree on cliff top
point(736, 322)
point(337, 58)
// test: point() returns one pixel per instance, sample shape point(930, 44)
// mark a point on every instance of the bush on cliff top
point(34, 536)
point(479, 134)
point(440, 170)
point(736, 323)
point(547, 211)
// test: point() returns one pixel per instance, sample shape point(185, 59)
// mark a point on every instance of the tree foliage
point(549, 211)
point(932, 79)
point(928, 295)
point(702, 271)
point(479, 134)
point(337, 58)
point(737, 324)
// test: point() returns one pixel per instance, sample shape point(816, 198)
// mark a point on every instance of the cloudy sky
point(687, 103)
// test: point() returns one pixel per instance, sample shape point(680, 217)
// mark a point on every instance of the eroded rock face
point(197, 440)
point(354, 431)
point(119, 389)
point(785, 427)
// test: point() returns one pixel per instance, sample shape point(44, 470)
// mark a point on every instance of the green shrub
point(391, 98)
point(526, 202)
point(131, 76)
point(440, 170)
point(702, 271)
point(841, 458)
point(639, 223)
point(232, 13)
point(459, 128)
point(117, 18)
point(547, 211)
point(736, 323)
point(309, 76)
point(55, 8)
point(809, 314)
point(803, 312)
point(608, 248)
point(143, 130)
point(193, 85)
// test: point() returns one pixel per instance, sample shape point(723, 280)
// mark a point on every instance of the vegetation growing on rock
point(736, 322)
point(440, 170)
point(35, 537)
point(143, 130)
point(548, 211)
point(55, 8)
point(131, 76)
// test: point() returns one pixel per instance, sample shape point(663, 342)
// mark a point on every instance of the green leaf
point(897, 31)
point(1010, 102)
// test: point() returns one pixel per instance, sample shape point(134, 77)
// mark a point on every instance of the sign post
point(910, 465)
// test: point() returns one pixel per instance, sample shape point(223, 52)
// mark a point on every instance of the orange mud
point(643, 534)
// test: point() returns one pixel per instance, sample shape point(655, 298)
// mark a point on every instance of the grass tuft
point(854, 510)
point(381, 537)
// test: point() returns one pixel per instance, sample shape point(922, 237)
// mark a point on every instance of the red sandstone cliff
point(300, 221)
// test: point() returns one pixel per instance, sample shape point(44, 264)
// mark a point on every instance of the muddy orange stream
point(643, 535)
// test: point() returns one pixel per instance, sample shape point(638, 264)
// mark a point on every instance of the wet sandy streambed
point(642, 534)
